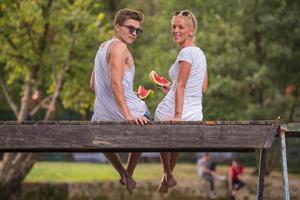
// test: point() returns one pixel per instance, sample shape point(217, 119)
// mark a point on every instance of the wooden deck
point(86, 136)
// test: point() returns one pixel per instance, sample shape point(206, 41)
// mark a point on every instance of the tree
point(252, 49)
point(44, 46)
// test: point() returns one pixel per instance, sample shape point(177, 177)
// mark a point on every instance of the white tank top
point(192, 106)
point(105, 106)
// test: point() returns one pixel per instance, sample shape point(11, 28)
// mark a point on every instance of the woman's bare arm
point(205, 83)
point(92, 81)
point(183, 75)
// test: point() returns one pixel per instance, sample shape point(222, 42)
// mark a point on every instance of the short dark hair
point(127, 13)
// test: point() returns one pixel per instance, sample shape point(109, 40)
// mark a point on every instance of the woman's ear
point(191, 33)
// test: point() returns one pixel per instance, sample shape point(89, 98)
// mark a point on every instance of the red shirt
point(236, 171)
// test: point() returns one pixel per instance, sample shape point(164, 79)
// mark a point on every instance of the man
point(112, 82)
point(234, 182)
point(207, 170)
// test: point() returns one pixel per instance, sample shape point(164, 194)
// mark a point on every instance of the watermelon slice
point(143, 93)
point(159, 80)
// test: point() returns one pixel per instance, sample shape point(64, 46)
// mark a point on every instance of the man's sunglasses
point(132, 29)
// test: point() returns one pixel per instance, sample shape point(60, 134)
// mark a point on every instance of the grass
point(85, 172)
point(149, 175)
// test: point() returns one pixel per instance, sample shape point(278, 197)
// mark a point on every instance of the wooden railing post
point(284, 165)
point(261, 174)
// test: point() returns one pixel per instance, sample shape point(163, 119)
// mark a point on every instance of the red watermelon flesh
point(143, 93)
point(159, 80)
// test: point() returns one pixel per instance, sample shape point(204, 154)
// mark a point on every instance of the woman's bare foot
point(171, 182)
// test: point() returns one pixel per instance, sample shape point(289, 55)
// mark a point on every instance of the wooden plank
point(274, 129)
point(66, 122)
point(120, 136)
point(291, 129)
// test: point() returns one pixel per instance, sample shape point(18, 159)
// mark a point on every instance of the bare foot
point(121, 181)
point(171, 182)
point(129, 182)
point(163, 187)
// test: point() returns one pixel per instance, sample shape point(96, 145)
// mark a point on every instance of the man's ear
point(117, 27)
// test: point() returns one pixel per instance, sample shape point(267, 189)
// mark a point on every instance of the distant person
point(183, 100)
point(112, 82)
point(234, 182)
point(207, 170)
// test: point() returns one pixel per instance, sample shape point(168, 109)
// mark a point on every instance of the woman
point(183, 101)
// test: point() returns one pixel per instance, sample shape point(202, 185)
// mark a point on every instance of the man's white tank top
point(105, 106)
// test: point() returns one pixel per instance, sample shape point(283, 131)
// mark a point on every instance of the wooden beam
point(292, 129)
point(85, 136)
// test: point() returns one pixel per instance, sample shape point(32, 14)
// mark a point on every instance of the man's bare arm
point(117, 62)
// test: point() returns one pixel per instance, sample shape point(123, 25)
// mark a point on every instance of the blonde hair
point(191, 18)
point(127, 13)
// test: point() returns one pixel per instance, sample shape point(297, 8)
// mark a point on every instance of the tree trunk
point(51, 109)
point(15, 166)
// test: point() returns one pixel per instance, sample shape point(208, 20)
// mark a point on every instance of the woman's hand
point(165, 89)
point(177, 117)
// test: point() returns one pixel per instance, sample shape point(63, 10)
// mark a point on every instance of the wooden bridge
point(86, 136)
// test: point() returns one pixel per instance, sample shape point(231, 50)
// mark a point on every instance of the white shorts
point(192, 109)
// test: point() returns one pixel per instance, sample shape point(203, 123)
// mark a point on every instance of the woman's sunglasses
point(186, 13)
point(182, 13)
point(132, 29)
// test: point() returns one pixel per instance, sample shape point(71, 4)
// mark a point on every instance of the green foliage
point(51, 38)
point(252, 50)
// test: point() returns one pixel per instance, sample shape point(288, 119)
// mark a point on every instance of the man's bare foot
point(121, 181)
point(128, 182)
point(163, 187)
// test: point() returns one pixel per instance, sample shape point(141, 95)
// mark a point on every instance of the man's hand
point(141, 120)
point(138, 120)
